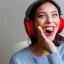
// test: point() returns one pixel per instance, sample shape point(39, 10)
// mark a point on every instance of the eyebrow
point(45, 12)
point(53, 11)
point(41, 12)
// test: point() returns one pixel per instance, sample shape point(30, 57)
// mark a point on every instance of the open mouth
point(49, 30)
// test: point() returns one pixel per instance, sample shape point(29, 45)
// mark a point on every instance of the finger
point(42, 33)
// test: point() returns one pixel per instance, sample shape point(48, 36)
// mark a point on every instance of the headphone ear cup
point(61, 26)
point(29, 27)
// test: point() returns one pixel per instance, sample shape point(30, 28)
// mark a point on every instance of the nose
point(49, 20)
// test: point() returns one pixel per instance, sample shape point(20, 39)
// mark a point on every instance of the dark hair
point(31, 13)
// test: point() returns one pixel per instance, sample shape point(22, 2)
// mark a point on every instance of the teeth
point(49, 28)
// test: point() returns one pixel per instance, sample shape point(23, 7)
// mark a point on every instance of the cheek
point(57, 23)
point(39, 22)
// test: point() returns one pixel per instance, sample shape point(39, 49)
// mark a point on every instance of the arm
point(53, 57)
point(12, 61)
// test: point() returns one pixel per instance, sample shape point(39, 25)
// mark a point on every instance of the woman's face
point(47, 17)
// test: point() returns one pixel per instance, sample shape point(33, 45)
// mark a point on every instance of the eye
point(54, 15)
point(42, 16)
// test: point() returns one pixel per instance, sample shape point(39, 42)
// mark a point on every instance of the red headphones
point(61, 26)
point(30, 28)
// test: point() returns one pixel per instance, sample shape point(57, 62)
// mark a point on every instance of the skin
point(46, 15)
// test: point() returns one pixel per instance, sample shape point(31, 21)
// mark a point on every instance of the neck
point(37, 50)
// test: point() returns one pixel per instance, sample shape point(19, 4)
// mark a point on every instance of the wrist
point(53, 50)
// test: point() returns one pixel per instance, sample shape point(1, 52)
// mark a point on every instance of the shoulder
point(61, 50)
point(21, 53)
point(61, 47)
point(20, 56)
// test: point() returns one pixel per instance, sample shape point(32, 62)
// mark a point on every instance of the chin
point(51, 38)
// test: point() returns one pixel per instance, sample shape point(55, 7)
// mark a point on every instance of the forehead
point(46, 7)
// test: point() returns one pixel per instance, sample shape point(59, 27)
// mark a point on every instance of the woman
point(44, 16)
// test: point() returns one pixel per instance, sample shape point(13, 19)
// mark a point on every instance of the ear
point(61, 26)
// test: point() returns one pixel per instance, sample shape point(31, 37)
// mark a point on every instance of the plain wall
point(12, 13)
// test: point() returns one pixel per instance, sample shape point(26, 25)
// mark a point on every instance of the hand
point(48, 45)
